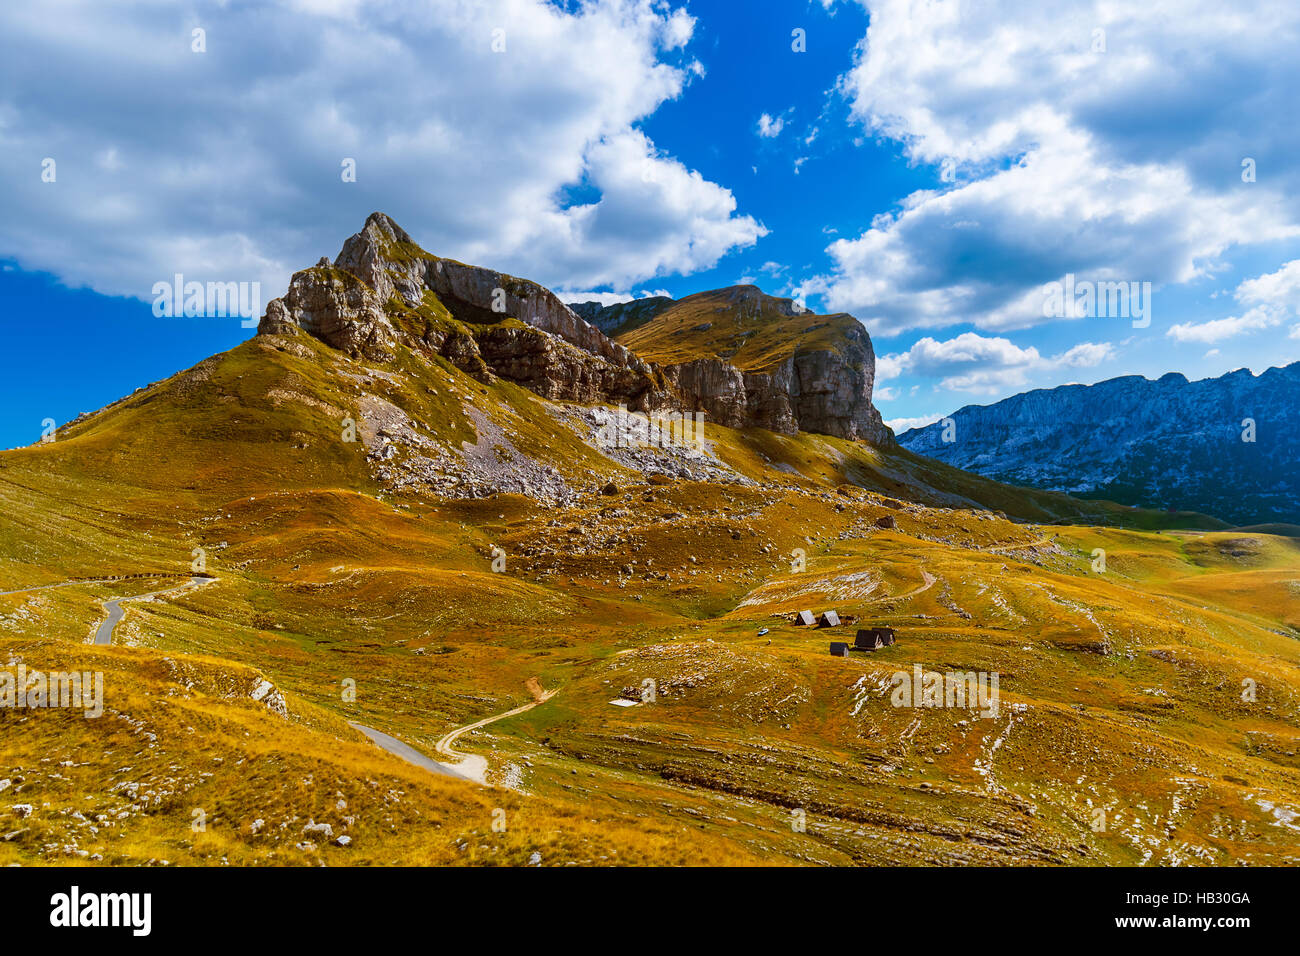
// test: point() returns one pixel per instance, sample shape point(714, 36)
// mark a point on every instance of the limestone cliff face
point(762, 360)
point(714, 386)
point(526, 301)
point(818, 391)
point(832, 390)
point(560, 371)
point(383, 290)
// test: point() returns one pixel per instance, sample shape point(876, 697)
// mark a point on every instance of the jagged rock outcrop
point(816, 391)
point(383, 289)
point(832, 389)
point(334, 306)
point(715, 387)
point(385, 257)
point(348, 304)
point(560, 371)
point(526, 301)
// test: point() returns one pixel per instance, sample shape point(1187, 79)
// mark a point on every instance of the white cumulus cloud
point(1272, 297)
point(1100, 138)
point(971, 362)
point(1217, 330)
point(502, 132)
point(769, 127)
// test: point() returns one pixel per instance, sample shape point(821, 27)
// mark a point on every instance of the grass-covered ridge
point(740, 325)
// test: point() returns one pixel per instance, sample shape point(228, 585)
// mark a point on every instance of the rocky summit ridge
point(383, 289)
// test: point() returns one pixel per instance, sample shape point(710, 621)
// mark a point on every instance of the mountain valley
point(398, 507)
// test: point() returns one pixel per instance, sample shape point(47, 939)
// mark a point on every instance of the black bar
point(525, 906)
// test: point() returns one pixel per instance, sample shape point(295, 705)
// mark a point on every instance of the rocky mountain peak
point(369, 255)
point(383, 291)
point(758, 359)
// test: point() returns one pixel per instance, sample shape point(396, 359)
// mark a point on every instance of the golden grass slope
point(1124, 736)
point(740, 325)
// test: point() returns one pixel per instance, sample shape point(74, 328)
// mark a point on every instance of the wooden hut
point(873, 638)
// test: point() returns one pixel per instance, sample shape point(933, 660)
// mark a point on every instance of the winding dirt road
point(104, 633)
point(475, 766)
point(408, 753)
point(469, 767)
point(926, 577)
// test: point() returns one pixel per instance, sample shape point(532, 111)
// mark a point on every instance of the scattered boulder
point(323, 830)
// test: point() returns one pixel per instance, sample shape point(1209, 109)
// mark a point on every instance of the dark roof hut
point(871, 638)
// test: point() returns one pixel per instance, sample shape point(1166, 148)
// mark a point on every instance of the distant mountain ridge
point(1164, 443)
point(621, 317)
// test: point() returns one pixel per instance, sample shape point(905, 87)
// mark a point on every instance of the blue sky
point(928, 167)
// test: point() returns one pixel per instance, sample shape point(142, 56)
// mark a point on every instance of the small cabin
point(829, 619)
point(873, 638)
point(804, 619)
point(839, 649)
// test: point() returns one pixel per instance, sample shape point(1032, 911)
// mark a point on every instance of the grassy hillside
point(1121, 689)
point(741, 325)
